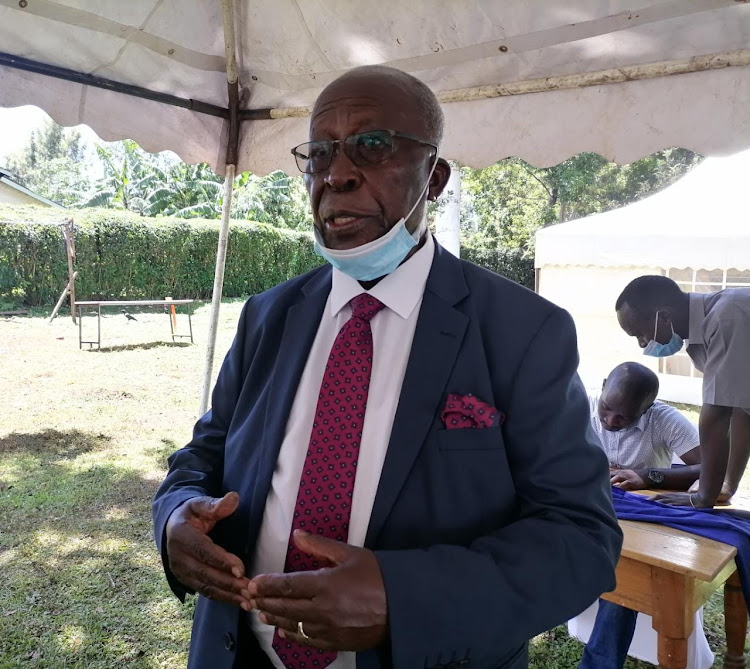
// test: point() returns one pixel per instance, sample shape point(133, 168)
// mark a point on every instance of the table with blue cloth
point(673, 559)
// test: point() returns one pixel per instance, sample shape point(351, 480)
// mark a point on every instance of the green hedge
point(122, 255)
point(508, 262)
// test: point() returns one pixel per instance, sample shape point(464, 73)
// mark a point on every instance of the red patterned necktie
point(324, 498)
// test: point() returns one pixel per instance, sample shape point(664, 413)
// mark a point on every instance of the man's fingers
point(336, 552)
point(292, 609)
point(309, 640)
point(214, 508)
point(200, 547)
point(210, 582)
point(297, 585)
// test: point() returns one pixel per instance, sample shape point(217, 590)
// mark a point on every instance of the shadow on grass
point(162, 452)
point(140, 347)
point(81, 583)
point(52, 445)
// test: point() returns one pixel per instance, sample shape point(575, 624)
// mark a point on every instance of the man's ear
point(439, 179)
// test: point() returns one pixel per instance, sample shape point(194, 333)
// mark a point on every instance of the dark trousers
point(610, 639)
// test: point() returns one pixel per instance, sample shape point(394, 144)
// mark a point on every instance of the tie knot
point(365, 306)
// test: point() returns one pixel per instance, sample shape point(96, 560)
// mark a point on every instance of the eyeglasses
point(363, 149)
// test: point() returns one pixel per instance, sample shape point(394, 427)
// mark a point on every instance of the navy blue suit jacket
point(485, 537)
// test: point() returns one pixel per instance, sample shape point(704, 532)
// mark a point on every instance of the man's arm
point(675, 478)
point(680, 436)
point(713, 427)
point(196, 471)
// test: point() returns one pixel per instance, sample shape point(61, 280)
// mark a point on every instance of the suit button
point(229, 641)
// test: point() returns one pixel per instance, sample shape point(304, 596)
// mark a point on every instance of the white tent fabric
point(288, 49)
point(702, 220)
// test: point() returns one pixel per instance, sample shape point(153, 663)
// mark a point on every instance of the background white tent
point(230, 82)
point(696, 231)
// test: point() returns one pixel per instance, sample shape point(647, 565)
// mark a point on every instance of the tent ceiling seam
point(78, 18)
point(309, 32)
point(127, 43)
point(514, 44)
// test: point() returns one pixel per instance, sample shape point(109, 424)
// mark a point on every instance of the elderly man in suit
point(397, 469)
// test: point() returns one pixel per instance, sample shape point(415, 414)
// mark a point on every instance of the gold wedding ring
point(301, 630)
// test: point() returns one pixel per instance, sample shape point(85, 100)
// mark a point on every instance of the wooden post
point(70, 250)
point(62, 297)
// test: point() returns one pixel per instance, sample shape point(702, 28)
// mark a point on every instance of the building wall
point(9, 195)
point(589, 294)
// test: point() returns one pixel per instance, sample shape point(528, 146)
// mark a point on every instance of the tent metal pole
point(227, 10)
point(19, 63)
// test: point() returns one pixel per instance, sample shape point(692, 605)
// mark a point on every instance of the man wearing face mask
point(717, 328)
point(397, 468)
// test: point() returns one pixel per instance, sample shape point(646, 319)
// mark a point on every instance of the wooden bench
point(98, 304)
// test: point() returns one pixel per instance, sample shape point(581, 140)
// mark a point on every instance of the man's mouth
point(343, 219)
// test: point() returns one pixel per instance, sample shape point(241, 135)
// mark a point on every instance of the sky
point(17, 124)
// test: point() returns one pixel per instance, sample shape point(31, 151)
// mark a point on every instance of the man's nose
point(611, 422)
point(343, 174)
point(642, 342)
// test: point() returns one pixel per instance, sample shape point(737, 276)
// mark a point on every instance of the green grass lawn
point(84, 437)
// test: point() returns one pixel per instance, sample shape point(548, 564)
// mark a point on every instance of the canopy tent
point(696, 231)
point(530, 78)
point(536, 71)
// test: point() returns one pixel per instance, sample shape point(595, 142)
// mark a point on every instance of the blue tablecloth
point(718, 525)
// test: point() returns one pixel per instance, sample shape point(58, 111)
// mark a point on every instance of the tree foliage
point(52, 164)
point(505, 204)
point(502, 206)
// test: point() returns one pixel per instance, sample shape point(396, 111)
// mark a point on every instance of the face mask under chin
point(657, 350)
point(383, 255)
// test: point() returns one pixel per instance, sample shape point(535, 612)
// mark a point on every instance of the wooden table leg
point(735, 622)
point(672, 617)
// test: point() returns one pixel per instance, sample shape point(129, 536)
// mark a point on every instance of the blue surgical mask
point(380, 256)
point(657, 350)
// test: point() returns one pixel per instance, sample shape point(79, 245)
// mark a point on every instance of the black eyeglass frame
point(347, 142)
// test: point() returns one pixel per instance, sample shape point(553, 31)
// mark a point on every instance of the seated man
point(640, 437)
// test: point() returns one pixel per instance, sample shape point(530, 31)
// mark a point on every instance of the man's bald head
point(402, 89)
point(635, 381)
point(628, 392)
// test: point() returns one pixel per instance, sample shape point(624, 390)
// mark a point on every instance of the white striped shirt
point(659, 433)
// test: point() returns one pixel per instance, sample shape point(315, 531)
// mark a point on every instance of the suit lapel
point(300, 328)
point(437, 341)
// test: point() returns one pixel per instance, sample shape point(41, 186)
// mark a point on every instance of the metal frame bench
point(98, 304)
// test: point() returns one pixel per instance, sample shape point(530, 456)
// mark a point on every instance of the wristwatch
point(655, 476)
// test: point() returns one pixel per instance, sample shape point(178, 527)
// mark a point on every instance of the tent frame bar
point(617, 75)
point(714, 61)
point(36, 67)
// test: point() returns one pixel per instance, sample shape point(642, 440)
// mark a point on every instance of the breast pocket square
point(468, 411)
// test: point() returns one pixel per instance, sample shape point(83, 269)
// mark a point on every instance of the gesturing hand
point(342, 607)
point(198, 562)
point(626, 479)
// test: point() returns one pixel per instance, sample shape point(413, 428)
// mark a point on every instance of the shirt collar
point(400, 291)
point(696, 318)
point(642, 423)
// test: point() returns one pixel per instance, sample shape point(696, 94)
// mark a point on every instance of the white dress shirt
point(392, 333)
